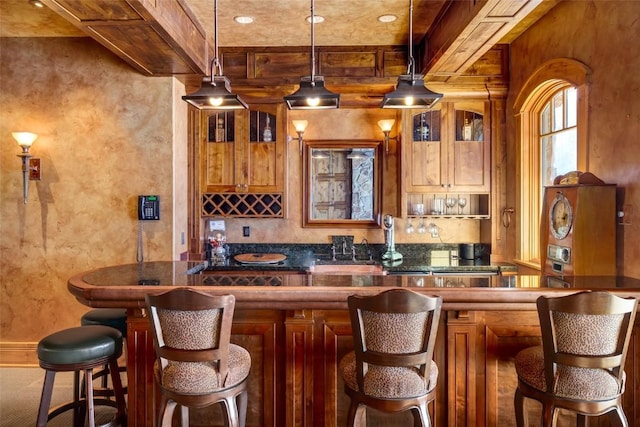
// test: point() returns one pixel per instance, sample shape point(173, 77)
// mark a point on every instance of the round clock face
point(560, 217)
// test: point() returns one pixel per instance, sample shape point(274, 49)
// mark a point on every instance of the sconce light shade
point(215, 95)
point(300, 125)
point(25, 139)
point(386, 125)
point(410, 92)
point(312, 95)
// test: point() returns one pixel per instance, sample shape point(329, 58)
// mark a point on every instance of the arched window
point(552, 131)
point(558, 136)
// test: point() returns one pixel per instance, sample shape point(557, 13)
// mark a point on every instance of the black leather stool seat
point(114, 317)
point(80, 345)
point(79, 349)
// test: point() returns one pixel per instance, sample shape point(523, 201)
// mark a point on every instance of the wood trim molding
point(18, 354)
point(546, 79)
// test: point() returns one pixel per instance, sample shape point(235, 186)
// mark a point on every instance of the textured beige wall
point(603, 35)
point(106, 135)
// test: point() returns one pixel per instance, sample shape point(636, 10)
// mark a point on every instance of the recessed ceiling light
point(36, 3)
point(316, 19)
point(387, 18)
point(243, 19)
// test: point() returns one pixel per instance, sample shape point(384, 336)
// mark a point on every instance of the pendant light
point(312, 95)
point(215, 92)
point(410, 91)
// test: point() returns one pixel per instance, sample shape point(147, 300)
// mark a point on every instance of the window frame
point(546, 81)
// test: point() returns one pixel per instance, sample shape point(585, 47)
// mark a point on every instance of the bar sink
point(347, 267)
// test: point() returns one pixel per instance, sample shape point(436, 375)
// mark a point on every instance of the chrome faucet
point(333, 252)
point(353, 252)
point(344, 246)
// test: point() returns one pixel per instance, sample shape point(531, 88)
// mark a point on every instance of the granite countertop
point(299, 258)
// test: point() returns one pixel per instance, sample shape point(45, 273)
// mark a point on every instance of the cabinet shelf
point(445, 216)
point(434, 205)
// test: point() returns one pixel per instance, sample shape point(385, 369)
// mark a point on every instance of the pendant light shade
point(410, 91)
point(215, 92)
point(312, 95)
point(215, 95)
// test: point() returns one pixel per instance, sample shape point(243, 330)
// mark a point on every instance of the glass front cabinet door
point(447, 149)
point(244, 151)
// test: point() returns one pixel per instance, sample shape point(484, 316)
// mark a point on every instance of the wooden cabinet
point(243, 161)
point(447, 155)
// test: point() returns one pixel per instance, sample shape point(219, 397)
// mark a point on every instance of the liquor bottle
point(266, 134)
point(467, 130)
point(421, 130)
point(220, 130)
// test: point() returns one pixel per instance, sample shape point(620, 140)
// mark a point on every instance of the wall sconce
point(30, 166)
point(301, 126)
point(386, 126)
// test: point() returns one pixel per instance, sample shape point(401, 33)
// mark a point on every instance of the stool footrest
point(81, 405)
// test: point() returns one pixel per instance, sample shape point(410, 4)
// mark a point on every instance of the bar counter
point(296, 327)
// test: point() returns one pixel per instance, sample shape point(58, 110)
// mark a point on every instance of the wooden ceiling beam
point(468, 29)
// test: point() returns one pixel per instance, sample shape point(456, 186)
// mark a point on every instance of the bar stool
point(78, 349)
point(580, 365)
point(391, 368)
point(115, 318)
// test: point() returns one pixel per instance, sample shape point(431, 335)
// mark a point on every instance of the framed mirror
point(342, 183)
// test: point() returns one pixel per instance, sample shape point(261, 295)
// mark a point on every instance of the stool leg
point(184, 416)
point(242, 408)
point(78, 393)
point(118, 390)
point(45, 398)
point(88, 383)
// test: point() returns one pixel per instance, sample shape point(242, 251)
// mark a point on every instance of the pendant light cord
point(313, 49)
point(215, 64)
point(411, 69)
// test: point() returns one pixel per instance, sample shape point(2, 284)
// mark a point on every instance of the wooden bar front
point(298, 332)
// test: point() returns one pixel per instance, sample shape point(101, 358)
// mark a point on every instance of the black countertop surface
point(416, 260)
point(190, 273)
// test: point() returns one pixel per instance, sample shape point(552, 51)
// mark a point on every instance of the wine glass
point(410, 228)
point(422, 228)
point(450, 202)
point(462, 202)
